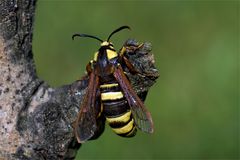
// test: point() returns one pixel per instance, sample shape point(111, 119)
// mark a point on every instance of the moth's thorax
point(106, 49)
point(105, 59)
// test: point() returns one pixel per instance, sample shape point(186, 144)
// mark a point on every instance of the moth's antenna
point(86, 35)
point(117, 30)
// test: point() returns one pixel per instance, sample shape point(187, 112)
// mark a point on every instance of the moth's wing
point(141, 115)
point(86, 123)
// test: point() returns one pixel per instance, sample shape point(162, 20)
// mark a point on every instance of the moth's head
point(106, 43)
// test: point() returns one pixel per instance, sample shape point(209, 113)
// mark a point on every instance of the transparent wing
point(141, 115)
point(86, 123)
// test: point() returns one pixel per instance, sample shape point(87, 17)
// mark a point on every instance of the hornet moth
point(110, 94)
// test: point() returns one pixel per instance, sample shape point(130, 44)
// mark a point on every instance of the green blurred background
point(194, 103)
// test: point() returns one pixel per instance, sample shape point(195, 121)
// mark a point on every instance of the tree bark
point(36, 120)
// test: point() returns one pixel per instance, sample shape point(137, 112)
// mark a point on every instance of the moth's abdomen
point(116, 110)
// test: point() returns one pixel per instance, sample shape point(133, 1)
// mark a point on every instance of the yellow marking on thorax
point(95, 56)
point(111, 54)
point(111, 95)
point(123, 50)
point(108, 85)
point(124, 129)
point(123, 118)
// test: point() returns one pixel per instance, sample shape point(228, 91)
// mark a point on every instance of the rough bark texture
point(36, 120)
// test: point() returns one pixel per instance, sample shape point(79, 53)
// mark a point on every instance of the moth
point(110, 94)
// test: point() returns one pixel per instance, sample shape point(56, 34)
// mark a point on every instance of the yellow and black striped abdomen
point(116, 110)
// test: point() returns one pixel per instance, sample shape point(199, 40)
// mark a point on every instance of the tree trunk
point(36, 120)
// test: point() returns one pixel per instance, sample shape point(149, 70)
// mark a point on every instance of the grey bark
point(36, 119)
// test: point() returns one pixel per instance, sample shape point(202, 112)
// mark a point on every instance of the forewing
point(141, 116)
point(86, 124)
